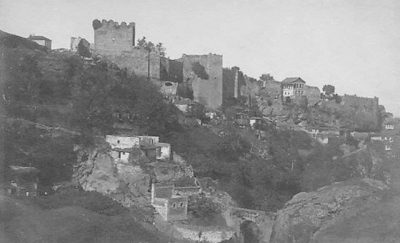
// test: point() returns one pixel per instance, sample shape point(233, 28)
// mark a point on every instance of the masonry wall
point(205, 91)
point(233, 82)
point(112, 38)
point(313, 94)
point(177, 208)
point(136, 62)
point(364, 103)
point(116, 42)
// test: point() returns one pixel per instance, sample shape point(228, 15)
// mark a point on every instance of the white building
point(389, 126)
point(164, 152)
point(292, 87)
point(122, 142)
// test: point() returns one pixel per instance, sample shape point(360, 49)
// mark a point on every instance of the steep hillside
point(24, 221)
point(351, 211)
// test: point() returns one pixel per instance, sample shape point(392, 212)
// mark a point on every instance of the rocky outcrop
point(308, 216)
point(125, 182)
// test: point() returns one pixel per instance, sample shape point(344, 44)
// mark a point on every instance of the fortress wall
point(112, 38)
point(136, 61)
point(365, 103)
point(205, 91)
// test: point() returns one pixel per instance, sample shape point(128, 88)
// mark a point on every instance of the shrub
point(200, 71)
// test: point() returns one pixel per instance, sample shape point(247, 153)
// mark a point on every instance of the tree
point(148, 45)
point(328, 89)
point(266, 77)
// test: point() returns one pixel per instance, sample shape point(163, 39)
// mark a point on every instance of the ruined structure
point(200, 76)
point(207, 83)
point(116, 42)
point(361, 103)
point(41, 40)
point(233, 81)
point(80, 46)
point(169, 205)
point(313, 94)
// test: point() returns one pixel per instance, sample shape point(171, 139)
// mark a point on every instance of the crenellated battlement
point(111, 24)
point(113, 38)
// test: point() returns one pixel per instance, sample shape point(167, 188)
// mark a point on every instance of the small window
point(181, 204)
point(119, 155)
point(118, 141)
point(174, 205)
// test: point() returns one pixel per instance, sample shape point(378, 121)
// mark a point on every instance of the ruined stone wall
point(171, 70)
point(313, 94)
point(136, 62)
point(228, 85)
point(363, 103)
point(205, 91)
point(234, 83)
point(112, 38)
point(271, 89)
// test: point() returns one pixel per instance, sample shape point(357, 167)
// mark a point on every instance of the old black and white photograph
point(199, 121)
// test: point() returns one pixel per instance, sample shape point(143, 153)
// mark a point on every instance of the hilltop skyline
point(353, 45)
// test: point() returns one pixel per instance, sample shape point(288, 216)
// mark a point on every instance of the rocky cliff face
point(313, 216)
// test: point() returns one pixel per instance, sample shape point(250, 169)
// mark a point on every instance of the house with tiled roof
point(292, 87)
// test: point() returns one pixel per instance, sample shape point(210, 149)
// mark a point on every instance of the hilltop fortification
point(112, 38)
point(116, 42)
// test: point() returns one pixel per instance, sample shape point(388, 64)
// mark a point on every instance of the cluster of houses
point(389, 137)
point(169, 200)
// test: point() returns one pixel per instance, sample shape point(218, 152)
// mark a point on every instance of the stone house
point(123, 145)
point(292, 87)
point(170, 206)
point(23, 181)
point(41, 40)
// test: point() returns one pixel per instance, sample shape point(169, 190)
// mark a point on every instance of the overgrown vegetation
point(76, 96)
point(92, 201)
point(200, 71)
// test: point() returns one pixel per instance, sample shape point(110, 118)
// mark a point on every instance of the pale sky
point(352, 44)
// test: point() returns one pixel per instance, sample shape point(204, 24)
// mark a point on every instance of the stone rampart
point(205, 91)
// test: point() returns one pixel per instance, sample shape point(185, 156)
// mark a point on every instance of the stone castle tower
point(112, 38)
point(116, 42)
